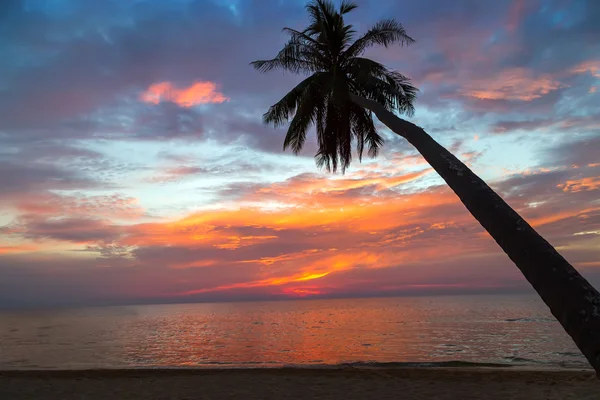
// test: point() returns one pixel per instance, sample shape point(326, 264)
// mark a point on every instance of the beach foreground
point(344, 383)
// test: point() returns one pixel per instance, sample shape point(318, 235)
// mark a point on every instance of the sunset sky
point(134, 166)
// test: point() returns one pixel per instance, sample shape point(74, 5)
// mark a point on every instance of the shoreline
point(300, 383)
point(191, 371)
point(424, 365)
point(509, 372)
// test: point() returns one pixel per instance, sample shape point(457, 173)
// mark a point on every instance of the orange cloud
point(362, 231)
point(17, 249)
point(312, 184)
point(235, 242)
point(260, 283)
point(285, 257)
point(197, 93)
point(592, 67)
point(511, 84)
point(107, 206)
point(329, 235)
point(556, 217)
point(329, 229)
point(583, 184)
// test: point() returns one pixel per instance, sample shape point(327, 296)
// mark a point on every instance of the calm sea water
point(480, 329)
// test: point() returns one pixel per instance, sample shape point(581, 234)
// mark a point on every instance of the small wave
point(570, 354)
point(522, 360)
point(425, 364)
point(238, 363)
point(541, 319)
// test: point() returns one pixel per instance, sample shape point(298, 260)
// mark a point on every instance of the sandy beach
point(347, 383)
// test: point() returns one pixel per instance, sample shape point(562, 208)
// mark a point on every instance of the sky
point(134, 166)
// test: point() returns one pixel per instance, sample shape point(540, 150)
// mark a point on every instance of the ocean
point(428, 331)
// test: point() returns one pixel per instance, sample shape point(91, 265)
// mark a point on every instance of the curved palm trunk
point(571, 299)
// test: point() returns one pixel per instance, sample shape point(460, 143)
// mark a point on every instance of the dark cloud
point(546, 186)
point(77, 230)
point(87, 88)
point(579, 152)
point(75, 281)
point(112, 58)
point(23, 178)
point(34, 173)
point(557, 34)
point(71, 87)
point(276, 243)
point(543, 41)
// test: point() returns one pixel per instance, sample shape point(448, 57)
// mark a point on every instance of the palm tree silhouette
point(340, 95)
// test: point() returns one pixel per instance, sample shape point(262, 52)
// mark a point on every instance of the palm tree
point(342, 92)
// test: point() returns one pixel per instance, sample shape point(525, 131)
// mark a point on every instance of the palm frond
point(390, 88)
point(280, 112)
point(384, 33)
point(302, 121)
point(326, 50)
point(296, 57)
point(302, 36)
point(324, 7)
point(365, 131)
point(347, 6)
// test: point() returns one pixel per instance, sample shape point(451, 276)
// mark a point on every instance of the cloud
point(591, 67)
point(511, 84)
point(516, 14)
point(583, 184)
point(17, 249)
point(174, 174)
point(319, 236)
point(122, 48)
point(577, 151)
point(195, 94)
point(77, 230)
point(31, 177)
point(557, 124)
point(122, 160)
point(114, 206)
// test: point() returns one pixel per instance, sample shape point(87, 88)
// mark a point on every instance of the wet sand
point(345, 383)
